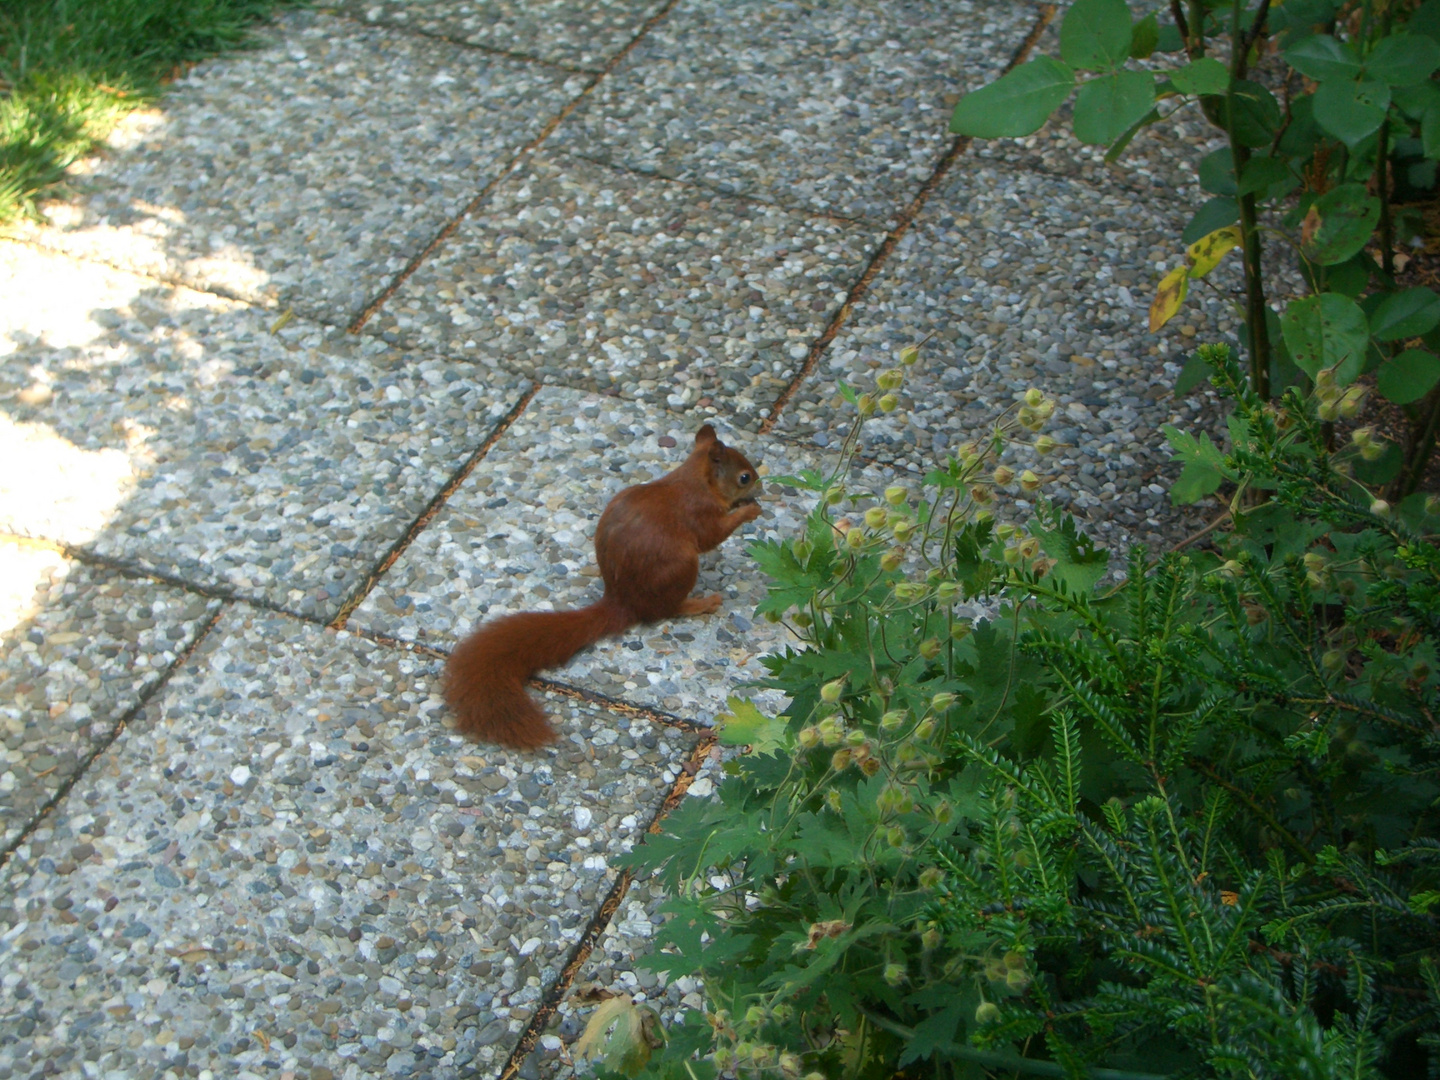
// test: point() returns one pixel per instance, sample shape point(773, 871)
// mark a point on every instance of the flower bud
point(903, 530)
point(1030, 419)
point(943, 812)
point(1324, 378)
point(893, 719)
point(1014, 960)
point(1350, 403)
point(891, 559)
point(1029, 481)
point(942, 701)
point(931, 937)
point(870, 766)
point(831, 690)
point(1333, 660)
point(1045, 445)
point(790, 1064)
point(909, 355)
point(947, 591)
point(802, 619)
point(1373, 451)
point(754, 1016)
point(1029, 548)
point(895, 495)
point(1327, 411)
point(982, 494)
point(925, 729)
point(832, 800)
point(930, 648)
point(889, 403)
point(855, 538)
point(895, 836)
point(832, 731)
point(1011, 555)
point(865, 404)
point(856, 738)
point(1232, 569)
point(1380, 508)
point(1314, 560)
point(835, 495)
point(761, 1056)
point(1002, 475)
point(1034, 398)
point(1017, 980)
point(840, 760)
point(892, 379)
point(809, 737)
point(1362, 436)
point(875, 517)
point(930, 877)
point(987, 1012)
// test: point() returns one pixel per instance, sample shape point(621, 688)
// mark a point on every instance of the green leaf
point(1351, 111)
point(1217, 173)
point(1016, 104)
point(1346, 218)
point(1118, 147)
point(1262, 173)
point(1095, 35)
point(1144, 37)
point(1078, 562)
point(1205, 468)
point(1214, 214)
point(1106, 106)
point(1426, 20)
point(1416, 101)
point(1405, 315)
point(1430, 132)
point(1204, 76)
point(1170, 39)
point(1257, 114)
point(745, 725)
point(1403, 60)
point(937, 1032)
point(1326, 331)
point(1409, 376)
point(1195, 372)
point(1322, 57)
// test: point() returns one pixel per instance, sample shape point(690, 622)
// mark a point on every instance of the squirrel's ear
point(705, 436)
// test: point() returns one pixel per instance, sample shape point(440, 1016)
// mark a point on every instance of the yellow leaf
point(622, 1033)
point(1205, 254)
point(745, 725)
point(1169, 296)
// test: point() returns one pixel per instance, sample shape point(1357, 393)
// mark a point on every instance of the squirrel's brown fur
point(648, 545)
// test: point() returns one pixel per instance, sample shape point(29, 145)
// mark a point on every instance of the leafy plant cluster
point(1331, 117)
point(1019, 822)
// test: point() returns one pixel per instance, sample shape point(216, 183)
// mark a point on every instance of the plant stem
point(1419, 444)
point(1257, 330)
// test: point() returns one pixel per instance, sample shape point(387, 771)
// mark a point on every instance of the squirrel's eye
point(745, 478)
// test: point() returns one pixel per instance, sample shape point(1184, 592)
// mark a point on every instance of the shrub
point(1182, 825)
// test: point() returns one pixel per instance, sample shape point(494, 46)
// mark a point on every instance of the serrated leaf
point(1409, 376)
point(1322, 57)
point(1205, 254)
point(1326, 331)
point(1403, 60)
point(619, 1032)
point(1213, 214)
point(1406, 314)
point(1204, 76)
point(1016, 104)
point(1095, 35)
point(745, 725)
point(1079, 563)
point(1350, 110)
point(1169, 296)
point(1344, 219)
point(1108, 105)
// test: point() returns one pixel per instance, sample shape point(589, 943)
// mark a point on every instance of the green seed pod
point(909, 355)
point(1372, 451)
point(891, 559)
point(930, 877)
point(754, 1016)
point(1014, 960)
point(865, 404)
point(930, 648)
point(790, 1064)
point(856, 737)
point(894, 974)
point(832, 800)
point(1029, 481)
point(903, 530)
point(809, 737)
point(925, 729)
point(895, 837)
point(835, 495)
point(831, 690)
point(1045, 445)
point(895, 495)
point(930, 939)
point(889, 403)
point(987, 1012)
point(960, 630)
point(1380, 508)
point(1002, 475)
point(942, 701)
point(802, 549)
point(1017, 980)
point(1327, 412)
point(1011, 555)
point(875, 517)
point(947, 591)
point(840, 760)
point(1029, 548)
point(982, 495)
point(855, 538)
point(893, 719)
point(1034, 398)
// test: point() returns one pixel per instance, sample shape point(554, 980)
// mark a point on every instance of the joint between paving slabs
point(433, 507)
point(108, 739)
point(882, 253)
point(450, 39)
point(551, 999)
point(448, 229)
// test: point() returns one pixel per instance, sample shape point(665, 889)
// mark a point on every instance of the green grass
point(71, 69)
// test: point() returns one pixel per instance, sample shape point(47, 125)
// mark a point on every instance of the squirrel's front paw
point(750, 511)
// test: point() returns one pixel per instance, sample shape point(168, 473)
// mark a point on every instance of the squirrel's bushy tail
point(485, 676)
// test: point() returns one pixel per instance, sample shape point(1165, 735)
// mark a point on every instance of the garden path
point(347, 346)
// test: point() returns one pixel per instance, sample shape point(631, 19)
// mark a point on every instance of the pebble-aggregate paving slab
point(1026, 279)
point(518, 535)
point(309, 172)
point(79, 647)
point(824, 107)
point(600, 278)
point(274, 463)
point(288, 864)
point(584, 34)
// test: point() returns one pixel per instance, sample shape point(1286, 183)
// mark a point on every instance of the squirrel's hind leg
point(701, 605)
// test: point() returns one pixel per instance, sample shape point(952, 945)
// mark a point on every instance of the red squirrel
point(648, 545)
